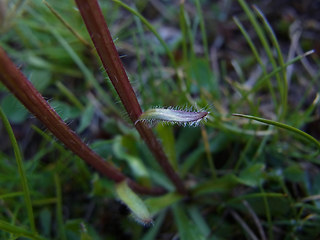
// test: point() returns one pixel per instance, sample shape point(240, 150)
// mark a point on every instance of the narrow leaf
point(173, 116)
point(281, 125)
point(134, 203)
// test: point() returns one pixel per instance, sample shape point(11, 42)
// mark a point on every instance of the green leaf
point(86, 118)
point(40, 79)
point(124, 148)
point(102, 147)
point(156, 204)
point(199, 220)
point(167, 138)
point(45, 221)
point(7, 227)
point(21, 171)
point(200, 71)
point(294, 173)
point(252, 175)
point(281, 125)
point(220, 185)
point(64, 110)
point(187, 229)
point(134, 203)
point(13, 109)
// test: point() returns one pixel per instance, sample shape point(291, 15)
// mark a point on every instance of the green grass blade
point(67, 25)
point(74, 56)
point(199, 220)
point(257, 56)
point(21, 170)
point(187, 229)
point(86, 72)
point(208, 152)
point(263, 39)
point(275, 43)
point(256, 195)
point(203, 29)
point(70, 95)
point(151, 29)
point(7, 227)
point(277, 70)
point(49, 139)
point(62, 233)
point(11, 195)
point(250, 43)
point(184, 30)
point(166, 134)
point(281, 125)
point(268, 213)
point(91, 80)
point(160, 39)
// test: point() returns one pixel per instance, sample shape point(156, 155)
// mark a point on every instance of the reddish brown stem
point(19, 85)
point(102, 40)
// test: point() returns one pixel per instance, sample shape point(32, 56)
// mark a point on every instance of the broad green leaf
point(252, 175)
point(156, 204)
point(40, 79)
point(13, 109)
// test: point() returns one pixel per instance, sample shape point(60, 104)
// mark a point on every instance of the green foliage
point(13, 109)
point(247, 178)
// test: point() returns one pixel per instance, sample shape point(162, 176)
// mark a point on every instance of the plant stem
point(102, 40)
point(19, 85)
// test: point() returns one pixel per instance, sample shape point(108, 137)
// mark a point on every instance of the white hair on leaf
point(173, 115)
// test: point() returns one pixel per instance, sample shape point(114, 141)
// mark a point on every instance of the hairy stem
point(19, 85)
point(102, 40)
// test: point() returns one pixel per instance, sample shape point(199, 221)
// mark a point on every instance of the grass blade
point(203, 30)
point(21, 170)
point(59, 211)
point(280, 59)
point(281, 125)
point(187, 229)
point(277, 70)
point(7, 227)
point(263, 39)
point(151, 29)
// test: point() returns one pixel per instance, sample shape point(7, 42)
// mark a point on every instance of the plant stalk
point(20, 86)
point(102, 40)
